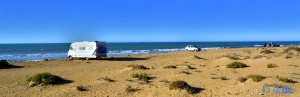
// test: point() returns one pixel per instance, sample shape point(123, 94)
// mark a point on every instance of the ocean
point(54, 51)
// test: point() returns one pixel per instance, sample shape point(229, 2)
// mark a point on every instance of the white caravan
point(87, 50)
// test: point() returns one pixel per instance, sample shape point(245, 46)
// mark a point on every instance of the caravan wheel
point(70, 57)
point(86, 58)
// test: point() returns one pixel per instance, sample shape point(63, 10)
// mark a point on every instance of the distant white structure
point(87, 50)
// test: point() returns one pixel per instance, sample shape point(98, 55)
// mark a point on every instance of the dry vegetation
point(266, 51)
point(170, 67)
point(235, 65)
point(285, 79)
point(137, 67)
point(256, 78)
point(271, 65)
point(181, 85)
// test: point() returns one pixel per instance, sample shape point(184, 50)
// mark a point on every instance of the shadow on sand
point(197, 90)
point(6, 65)
point(64, 81)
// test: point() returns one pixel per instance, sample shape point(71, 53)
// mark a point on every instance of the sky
point(62, 21)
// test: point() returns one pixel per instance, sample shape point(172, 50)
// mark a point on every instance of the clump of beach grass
point(256, 78)
point(235, 65)
point(81, 88)
point(141, 76)
point(271, 65)
point(242, 79)
point(137, 67)
point(285, 79)
point(44, 79)
point(181, 85)
point(266, 51)
point(129, 89)
point(170, 67)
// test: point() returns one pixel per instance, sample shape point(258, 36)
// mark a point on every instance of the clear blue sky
point(54, 21)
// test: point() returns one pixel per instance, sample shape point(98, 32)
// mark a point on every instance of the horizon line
point(148, 42)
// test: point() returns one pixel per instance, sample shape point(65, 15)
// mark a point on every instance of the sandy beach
point(206, 71)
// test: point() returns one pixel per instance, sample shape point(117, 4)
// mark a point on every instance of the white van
point(87, 50)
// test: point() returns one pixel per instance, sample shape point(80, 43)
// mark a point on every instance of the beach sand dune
point(206, 71)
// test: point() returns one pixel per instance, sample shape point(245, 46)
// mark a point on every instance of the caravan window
point(81, 48)
point(70, 48)
point(90, 48)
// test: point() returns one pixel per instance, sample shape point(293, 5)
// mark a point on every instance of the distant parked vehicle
point(192, 48)
point(87, 50)
point(271, 44)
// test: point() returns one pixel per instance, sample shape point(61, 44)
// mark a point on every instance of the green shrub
point(141, 76)
point(181, 85)
point(236, 65)
point(271, 65)
point(242, 79)
point(256, 78)
point(285, 80)
point(45, 78)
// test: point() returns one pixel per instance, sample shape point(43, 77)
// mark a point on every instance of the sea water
point(54, 51)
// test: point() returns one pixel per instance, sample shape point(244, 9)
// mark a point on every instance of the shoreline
point(124, 55)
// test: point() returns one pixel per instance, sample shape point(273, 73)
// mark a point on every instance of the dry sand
point(87, 74)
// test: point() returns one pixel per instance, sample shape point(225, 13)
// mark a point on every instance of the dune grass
point(235, 65)
point(170, 67)
point(141, 76)
point(242, 79)
point(271, 65)
point(181, 85)
point(256, 78)
point(285, 79)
